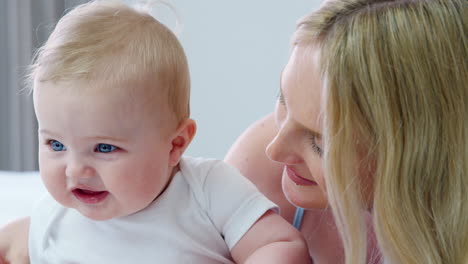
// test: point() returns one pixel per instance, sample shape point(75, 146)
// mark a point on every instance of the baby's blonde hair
point(395, 79)
point(108, 40)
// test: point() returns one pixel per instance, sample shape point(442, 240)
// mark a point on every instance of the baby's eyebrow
point(108, 138)
point(95, 138)
point(45, 131)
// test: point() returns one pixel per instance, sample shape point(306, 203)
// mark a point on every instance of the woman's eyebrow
point(281, 97)
point(315, 134)
point(280, 92)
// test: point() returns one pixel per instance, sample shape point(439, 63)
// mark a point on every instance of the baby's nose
point(78, 169)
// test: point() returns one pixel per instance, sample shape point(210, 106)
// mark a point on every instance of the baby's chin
point(96, 212)
point(99, 215)
point(95, 217)
point(110, 209)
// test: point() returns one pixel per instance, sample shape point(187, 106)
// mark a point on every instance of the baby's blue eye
point(57, 146)
point(105, 148)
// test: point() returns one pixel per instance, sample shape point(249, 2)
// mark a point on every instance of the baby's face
point(100, 153)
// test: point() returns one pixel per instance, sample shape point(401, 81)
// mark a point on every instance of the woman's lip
point(298, 179)
point(89, 196)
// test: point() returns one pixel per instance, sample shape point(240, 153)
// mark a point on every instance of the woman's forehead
point(301, 86)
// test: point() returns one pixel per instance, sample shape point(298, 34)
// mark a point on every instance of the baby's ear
point(181, 139)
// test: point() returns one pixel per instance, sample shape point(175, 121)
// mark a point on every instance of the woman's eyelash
point(315, 147)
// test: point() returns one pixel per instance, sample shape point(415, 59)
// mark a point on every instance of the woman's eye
point(316, 147)
point(105, 148)
point(56, 145)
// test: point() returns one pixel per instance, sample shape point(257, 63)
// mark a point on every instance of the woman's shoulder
point(248, 155)
point(248, 152)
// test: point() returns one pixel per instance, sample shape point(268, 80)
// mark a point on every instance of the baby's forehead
point(141, 93)
point(131, 99)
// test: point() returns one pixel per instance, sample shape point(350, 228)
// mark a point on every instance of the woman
point(295, 151)
point(375, 90)
point(316, 223)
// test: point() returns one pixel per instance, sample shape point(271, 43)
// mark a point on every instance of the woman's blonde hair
point(395, 80)
point(111, 41)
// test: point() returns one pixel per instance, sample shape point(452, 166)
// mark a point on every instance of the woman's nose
point(78, 168)
point(284, 147)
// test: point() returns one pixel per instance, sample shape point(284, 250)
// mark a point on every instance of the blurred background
point(236, 51)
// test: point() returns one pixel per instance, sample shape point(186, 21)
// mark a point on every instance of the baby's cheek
point(56, 185)
point(126, 188)
point(50, 176)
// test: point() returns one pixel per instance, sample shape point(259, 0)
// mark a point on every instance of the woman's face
point(298, 143)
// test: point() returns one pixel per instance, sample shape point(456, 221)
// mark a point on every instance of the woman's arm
point(264, 244)
point(14, 242)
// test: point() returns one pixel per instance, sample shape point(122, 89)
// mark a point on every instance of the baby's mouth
point(89, 196)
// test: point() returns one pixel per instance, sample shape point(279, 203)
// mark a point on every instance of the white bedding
point(18, 193)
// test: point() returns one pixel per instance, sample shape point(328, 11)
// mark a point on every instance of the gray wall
point(24, 25)
point(236, 51)
point(19, 35)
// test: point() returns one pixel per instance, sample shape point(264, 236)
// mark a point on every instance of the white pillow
point(19, 191)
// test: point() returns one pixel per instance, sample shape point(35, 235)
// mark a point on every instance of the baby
point(111, 93)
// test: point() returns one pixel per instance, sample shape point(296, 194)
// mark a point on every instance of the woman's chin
point(307, 197)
